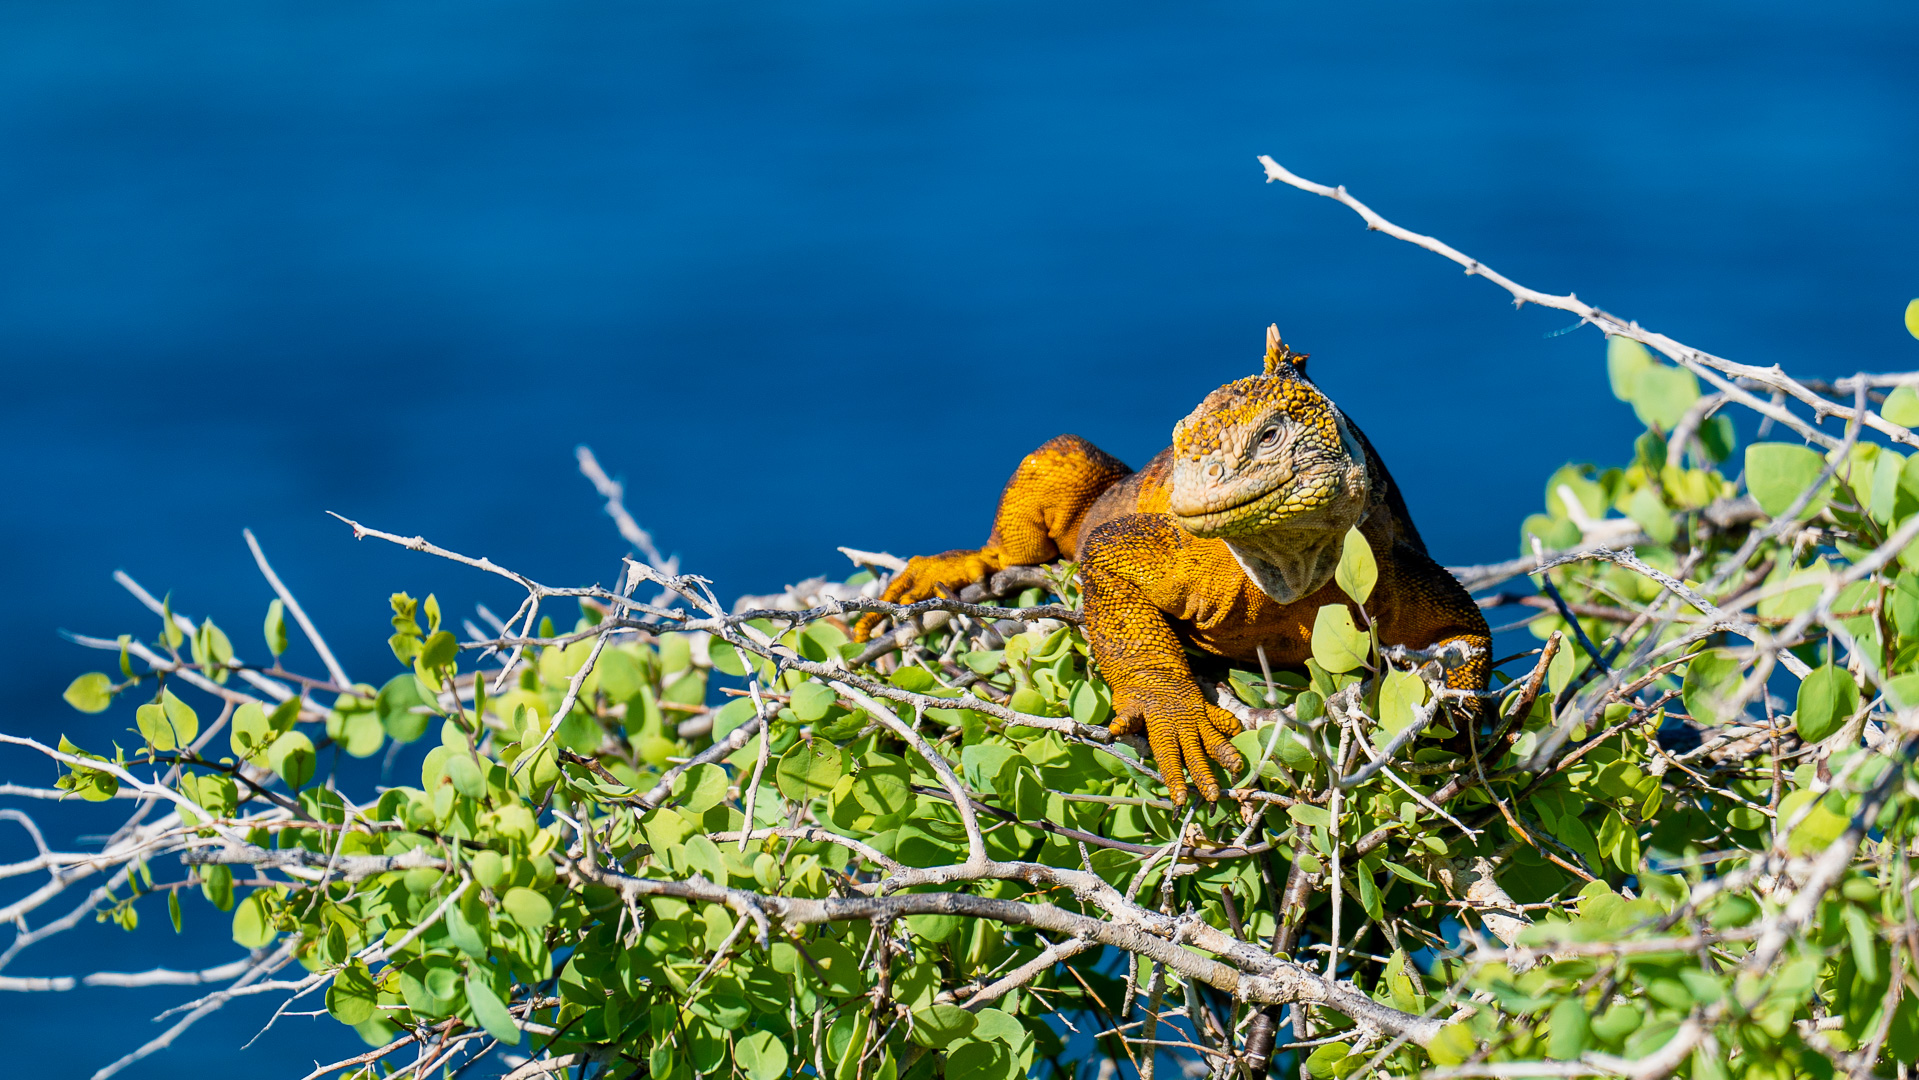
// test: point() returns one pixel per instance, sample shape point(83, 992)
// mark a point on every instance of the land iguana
point(1224, 542)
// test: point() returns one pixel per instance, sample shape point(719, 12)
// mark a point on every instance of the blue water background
point(811, 274)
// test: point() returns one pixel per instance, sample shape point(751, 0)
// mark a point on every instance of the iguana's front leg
point(1130, 573)
point(1427, 608)
point(1038, 520)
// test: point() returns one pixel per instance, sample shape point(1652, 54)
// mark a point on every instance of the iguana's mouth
point(1242, 516)
point(1304, 494)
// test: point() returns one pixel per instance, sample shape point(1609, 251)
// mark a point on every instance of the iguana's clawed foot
point(1184, 730)
point(928, 576)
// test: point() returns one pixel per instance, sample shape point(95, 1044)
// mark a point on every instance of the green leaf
point(1400, 871)
point(212, 650)
point(186, 722)
point(1369, 893)
point(1310, 815)
point(173, 908)
point(1453, 1045)
point(1719, 438)
point(811, 700)
point(1865, 942)
point(809, 769)
point(1337, 643)
point(1626, 360)
point(352, 997)
point(942, 1025)
point(249, 733)
point(488, 868)
point(990, 1060)
point(1649, 510)
point(465, 936)
point(702, 856)
point(666, 829)
point(490, 1011)
point(761, 1055)
point(90, 693)
point(1663, 395)
point(216, 884)
point(1776, 473)
point(168, 725)
point(1619, 1021)
point(252, 926)
point(528, 908)
point(1902, 406)
point(276, 627)
point(1400, 693)
point(1821, 826)
point(170, 631)
point(913, 679)
point(701, 787)
point(934, 928)
point(882, 789)
point(1357, 571)
point(1562, 667)
point(440, 650)
point(1571, 1032)
point(1912, 318)
point(1712, 678)
point(291, 755)
point(284, 715)
point(151, 719)
point(360, 734)
point(1323, 1062)
point(467, 777)
point(1903, 691)
point(1089, 706)
point(1827, 699)
point(394, 706)
point(727, 661)
point(1659, 393)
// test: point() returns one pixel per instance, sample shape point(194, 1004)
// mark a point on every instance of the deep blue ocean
point(812, 274)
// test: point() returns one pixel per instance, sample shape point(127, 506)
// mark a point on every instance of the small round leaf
point(90, 693)
point(701, 788)
point(528, 908)
point(809, 769)
point(1827, 699)
point(940, 1025)
point(291, 755)
point(761, 1055)
point(352, 996)
point(1337, 643)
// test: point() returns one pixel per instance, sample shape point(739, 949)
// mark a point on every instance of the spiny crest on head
point(1278, 352)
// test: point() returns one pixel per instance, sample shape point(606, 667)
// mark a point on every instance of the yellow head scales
point(1263, 451)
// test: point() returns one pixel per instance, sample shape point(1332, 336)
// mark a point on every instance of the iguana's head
point(1267, 454)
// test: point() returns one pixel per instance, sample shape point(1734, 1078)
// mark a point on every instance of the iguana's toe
point(1223, 722)
point(1194, 732)
point(1223, 751)
point(927, 576)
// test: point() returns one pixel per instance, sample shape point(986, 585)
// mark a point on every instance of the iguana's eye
point(1269, 438)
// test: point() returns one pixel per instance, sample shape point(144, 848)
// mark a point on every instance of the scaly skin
point(1225, 543)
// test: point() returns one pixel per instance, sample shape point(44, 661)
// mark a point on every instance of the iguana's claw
point(928, 576)
point(1184, 730)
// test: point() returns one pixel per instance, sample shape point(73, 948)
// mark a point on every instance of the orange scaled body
point(1223, 544)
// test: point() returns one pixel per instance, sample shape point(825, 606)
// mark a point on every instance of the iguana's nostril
point(1215, 471)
